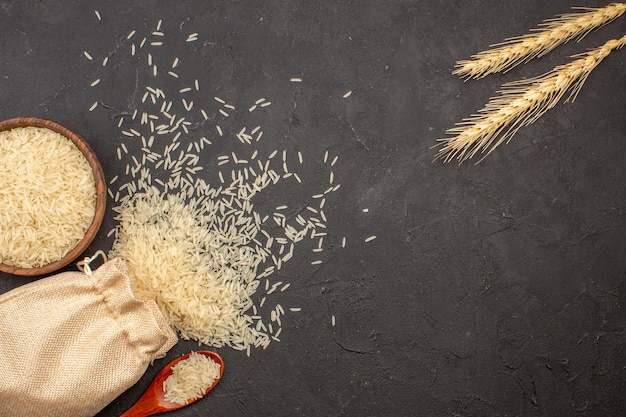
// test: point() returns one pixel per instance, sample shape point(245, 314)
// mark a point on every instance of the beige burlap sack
point(71, 343)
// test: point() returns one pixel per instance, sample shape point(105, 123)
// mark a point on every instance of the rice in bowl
point(47, 196)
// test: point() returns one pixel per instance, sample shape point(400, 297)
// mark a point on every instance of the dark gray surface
point(495, 289)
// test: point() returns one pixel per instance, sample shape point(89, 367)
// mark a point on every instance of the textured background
point(496, 289)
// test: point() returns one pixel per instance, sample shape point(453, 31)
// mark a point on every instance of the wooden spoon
point(154, 402)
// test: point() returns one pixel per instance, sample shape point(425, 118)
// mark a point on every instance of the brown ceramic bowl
point(101, 191)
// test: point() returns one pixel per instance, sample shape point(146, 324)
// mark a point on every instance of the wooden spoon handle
point(142, 409)
point(147, 405)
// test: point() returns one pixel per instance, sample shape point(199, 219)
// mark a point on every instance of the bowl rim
point(101, 194)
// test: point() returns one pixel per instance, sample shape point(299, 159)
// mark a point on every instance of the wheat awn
point(551, 33)
point(519, 104)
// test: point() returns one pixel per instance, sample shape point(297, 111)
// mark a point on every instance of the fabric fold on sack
point(71, 343)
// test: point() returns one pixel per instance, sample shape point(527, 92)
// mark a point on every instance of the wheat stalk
point(519, 104)
point(551, 33)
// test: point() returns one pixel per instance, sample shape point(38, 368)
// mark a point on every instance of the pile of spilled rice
point(188, 225)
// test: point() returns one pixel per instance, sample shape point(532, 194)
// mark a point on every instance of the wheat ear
point(550, 34)
point(519, 104)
